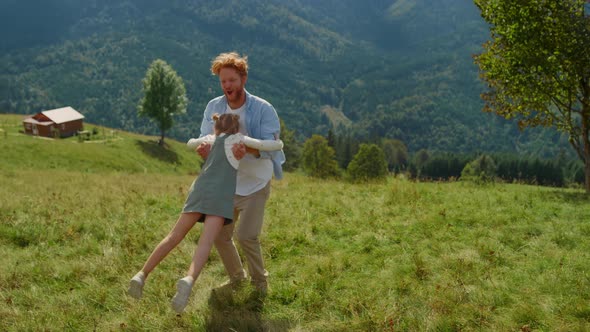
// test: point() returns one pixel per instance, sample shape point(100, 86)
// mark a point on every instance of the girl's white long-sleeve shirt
point(262, 145)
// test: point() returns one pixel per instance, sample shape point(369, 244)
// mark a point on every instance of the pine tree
point(292, 148)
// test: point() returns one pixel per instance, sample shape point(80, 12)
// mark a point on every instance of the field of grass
point(392, 256)
point(109, 150)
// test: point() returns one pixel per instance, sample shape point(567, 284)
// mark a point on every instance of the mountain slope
point(399, 69)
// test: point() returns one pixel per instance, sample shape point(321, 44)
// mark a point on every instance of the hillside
point(108, 151)
point(394, 68)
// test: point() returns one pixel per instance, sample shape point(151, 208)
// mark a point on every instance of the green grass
point(392, 256)
point(108, 151)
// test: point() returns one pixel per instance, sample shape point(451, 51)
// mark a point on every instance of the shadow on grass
point(241, 310)
point(163, 153)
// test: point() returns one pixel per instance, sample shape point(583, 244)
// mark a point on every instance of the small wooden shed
point(60, 122)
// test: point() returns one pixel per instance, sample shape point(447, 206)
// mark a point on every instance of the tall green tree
point(318, 158)
point(292, 148)
point(346, 147)
point(396, 154)
point(164, 96)
point(537, 66)
point(331, 138)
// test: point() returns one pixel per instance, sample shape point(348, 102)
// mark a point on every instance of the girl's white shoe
point(136, 285)
point(183, 291)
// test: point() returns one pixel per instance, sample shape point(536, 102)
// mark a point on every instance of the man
point(258, 119)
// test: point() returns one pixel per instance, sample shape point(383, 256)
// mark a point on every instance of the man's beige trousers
point(249, 216)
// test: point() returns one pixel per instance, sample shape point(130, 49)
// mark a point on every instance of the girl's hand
point(203, 150)
point(239, 150)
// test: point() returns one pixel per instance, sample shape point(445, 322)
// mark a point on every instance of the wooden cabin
point(61, 122)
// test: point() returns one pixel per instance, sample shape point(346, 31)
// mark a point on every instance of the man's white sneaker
point(136, 285)
point(183, 291)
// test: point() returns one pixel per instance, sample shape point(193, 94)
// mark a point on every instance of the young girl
point(210, 200)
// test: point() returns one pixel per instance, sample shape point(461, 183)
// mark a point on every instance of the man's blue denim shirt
point(262, 122)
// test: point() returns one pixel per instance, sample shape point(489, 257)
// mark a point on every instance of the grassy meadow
point(107, 151)
point(77, 220)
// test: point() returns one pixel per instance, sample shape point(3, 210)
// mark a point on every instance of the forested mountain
point(400, 69)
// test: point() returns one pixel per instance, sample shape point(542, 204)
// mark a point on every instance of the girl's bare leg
point(184, 224)
point(211, 228)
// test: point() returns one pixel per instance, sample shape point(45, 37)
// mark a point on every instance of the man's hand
point(203, 150)
point(239, 150)
point(254, 152)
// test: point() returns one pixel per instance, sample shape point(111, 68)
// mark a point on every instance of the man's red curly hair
point(230, 60)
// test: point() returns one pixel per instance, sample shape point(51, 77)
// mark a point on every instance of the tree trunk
point(586, 157)
point(161, 142)
point(586, 145)
point(585, 148)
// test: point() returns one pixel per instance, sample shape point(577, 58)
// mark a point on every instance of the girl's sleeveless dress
point(212, 192)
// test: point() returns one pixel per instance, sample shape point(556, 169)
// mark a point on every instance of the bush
point(369, 163)
point(318, 158)
point(481, 170)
